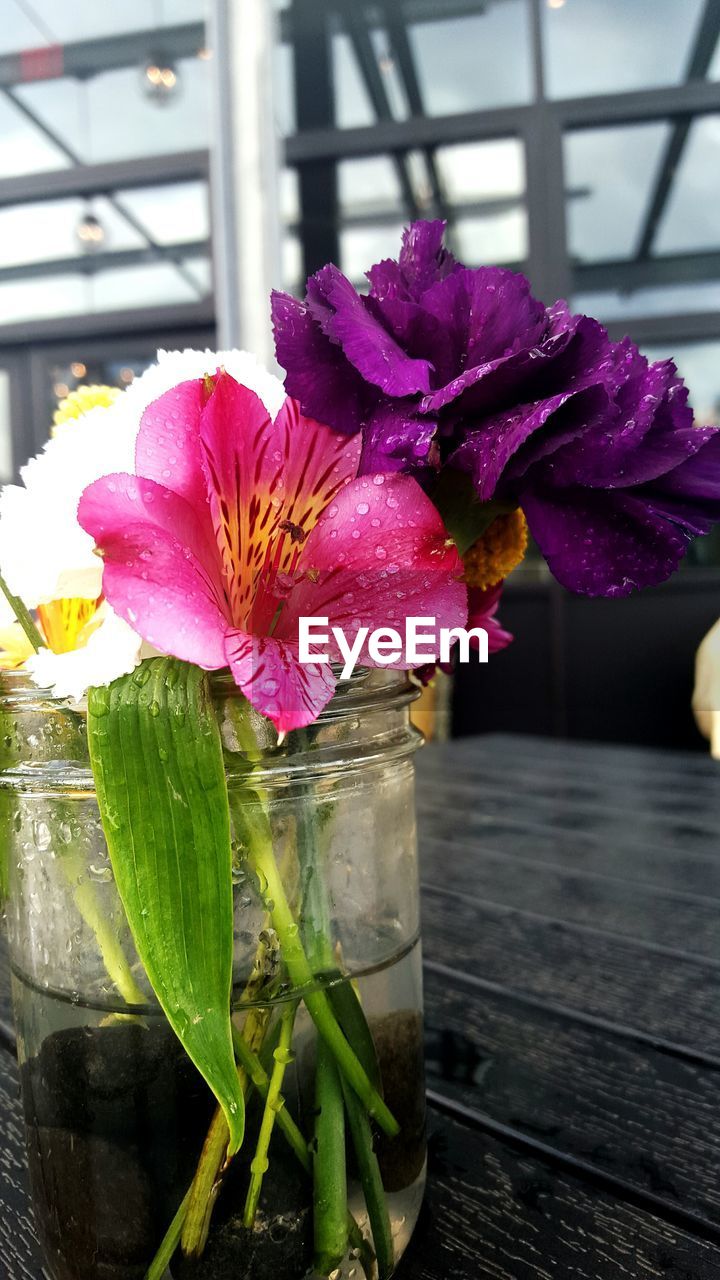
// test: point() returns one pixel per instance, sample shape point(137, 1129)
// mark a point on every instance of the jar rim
point(366, 687)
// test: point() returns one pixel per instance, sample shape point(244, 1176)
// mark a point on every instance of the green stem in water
point(329, 1169)
point(171, 1239)
point(294, 1137)
point(262, 859)
point(316, 1001)
point(23, 616)
point(213, 1161)
point(372, 1184)
point(114, 958)
point(274, 1103)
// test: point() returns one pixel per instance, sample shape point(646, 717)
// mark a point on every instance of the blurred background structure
point(577, 140)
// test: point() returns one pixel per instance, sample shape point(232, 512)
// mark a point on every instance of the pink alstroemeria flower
point(236, 526)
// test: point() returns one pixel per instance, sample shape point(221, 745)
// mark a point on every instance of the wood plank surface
point(571, 915)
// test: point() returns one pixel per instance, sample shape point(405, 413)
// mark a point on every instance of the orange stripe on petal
point(269, 483)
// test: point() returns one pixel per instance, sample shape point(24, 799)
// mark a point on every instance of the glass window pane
point(111, 116)
point(470, 62)
point(608, 46)
point(86, 19)
point(353, 106)
point(360, 247)
point(613, 171)
point(369, 183)
point(23, 148)
point(492, 239)
point(485, 186)
point(482, 170)
point(691, 219)
point(172, 213)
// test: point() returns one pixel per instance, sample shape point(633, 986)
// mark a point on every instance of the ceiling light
point(160, 80)
point(556, 4)
point(78, 369)
point(90, 232)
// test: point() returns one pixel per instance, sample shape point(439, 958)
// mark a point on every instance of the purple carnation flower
point(443, 366)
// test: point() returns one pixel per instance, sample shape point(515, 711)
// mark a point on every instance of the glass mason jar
point(116, 1113)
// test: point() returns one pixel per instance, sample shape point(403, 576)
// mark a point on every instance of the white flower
point(112, 650)
point(45, 556)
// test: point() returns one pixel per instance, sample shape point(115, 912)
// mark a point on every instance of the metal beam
point(698, 98)
point(397, 31)
point(71, 155)
point(92, 263)
point(315, 109)
point(362, 44)
point(134, 321)
point(629, 274)
point(703, 326)
point(85, 58)
point(104, 179)
point(700, 59)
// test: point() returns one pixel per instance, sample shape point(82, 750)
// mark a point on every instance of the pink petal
point(267, 670)
point(378, 555)
point(168, 444)
point(159, 573)
point(482, 608)
point(263, 477)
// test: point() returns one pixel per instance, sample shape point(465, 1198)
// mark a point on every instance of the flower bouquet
point(208, 841)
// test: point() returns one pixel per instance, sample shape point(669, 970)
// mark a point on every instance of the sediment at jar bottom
point(116, 1118)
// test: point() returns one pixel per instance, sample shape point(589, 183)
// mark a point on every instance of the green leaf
point(466, 519)
point(156, 754)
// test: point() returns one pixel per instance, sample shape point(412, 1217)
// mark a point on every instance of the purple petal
point(508, 377)
point(502, 442)
point(397, 439)
point(603, 544)
point(423, 259)
point(346, 318)
point(318, 375)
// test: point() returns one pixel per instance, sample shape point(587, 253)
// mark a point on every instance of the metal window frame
point(540, 126)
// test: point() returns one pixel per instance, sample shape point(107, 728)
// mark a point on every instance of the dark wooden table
point(572, 943)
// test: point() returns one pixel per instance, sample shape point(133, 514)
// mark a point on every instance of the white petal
point(180, 366)
point(113, 650)
point(44, 554)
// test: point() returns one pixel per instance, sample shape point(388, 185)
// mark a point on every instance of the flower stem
point(23, 616)
point(171, 1239)
point(294, 1137)
point(329, 1171)
point(261, 857)
point(113, 957)
point(274, 1103)
point(316, 1001)
point(372, 1184)
point(213, 1161)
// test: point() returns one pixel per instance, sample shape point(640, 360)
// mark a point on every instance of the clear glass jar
point(116, 1114)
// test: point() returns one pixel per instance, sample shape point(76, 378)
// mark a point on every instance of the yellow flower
point(499, 550)
point(68, 624)
point(65, 625)
point(15, 648)
point(81, 401)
